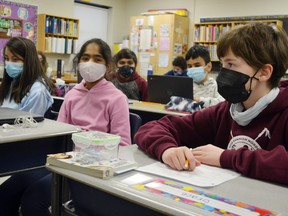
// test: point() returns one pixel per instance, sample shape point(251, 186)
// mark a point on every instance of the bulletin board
point(17, 19)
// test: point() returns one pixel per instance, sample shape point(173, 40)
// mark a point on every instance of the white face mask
point(91, 71)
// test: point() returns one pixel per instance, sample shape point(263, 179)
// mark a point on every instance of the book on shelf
point(85, 164)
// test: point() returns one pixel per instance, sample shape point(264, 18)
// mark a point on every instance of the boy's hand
point(176, 158)
point(208, 154)
point(196, 99)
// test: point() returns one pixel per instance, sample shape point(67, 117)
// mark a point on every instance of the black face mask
point(126, 71)
point(231, 85)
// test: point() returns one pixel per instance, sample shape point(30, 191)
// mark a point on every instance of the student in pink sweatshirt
point(248, 132)
point(93, 104)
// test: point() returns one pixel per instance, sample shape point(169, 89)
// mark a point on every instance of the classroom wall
point(210, 8)
point(136, 7)
point(230, 8)
point(55, 7)
point(65, 8)
point(122, 10)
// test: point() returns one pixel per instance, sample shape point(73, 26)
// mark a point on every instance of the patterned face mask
point(126, 71)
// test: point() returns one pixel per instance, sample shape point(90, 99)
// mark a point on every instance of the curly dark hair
point(198, 51)
point(180, 61)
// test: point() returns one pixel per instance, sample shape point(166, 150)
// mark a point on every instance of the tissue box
point(97, 145)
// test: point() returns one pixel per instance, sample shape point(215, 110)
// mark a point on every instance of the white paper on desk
point(202, 176)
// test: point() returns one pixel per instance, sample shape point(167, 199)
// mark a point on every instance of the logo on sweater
point(247, 142)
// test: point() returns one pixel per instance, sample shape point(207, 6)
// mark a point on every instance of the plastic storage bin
point(96, 145)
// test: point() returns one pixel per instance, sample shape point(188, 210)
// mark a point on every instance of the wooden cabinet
point(157, 40)
point(57, 34)
point(208, 33)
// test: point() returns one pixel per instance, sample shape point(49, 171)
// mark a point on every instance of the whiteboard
point(93, 22)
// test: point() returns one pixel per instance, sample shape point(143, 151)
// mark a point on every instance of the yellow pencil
point(186, 166)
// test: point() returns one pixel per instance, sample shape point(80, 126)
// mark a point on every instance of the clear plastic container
point(96, 145)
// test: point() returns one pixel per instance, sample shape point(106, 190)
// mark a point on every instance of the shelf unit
point(208, 33)
point(57, 34)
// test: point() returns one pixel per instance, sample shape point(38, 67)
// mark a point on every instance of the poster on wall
point(17, 19)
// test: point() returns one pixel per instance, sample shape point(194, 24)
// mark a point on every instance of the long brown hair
point(43, 62)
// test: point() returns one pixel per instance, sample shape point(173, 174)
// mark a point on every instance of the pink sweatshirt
point(102, 108)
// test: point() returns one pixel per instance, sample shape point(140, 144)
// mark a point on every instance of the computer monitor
point(161, 88)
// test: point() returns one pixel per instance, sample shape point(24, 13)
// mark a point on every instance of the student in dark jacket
point(248, 132)
point(179, 67)
point(126, 78)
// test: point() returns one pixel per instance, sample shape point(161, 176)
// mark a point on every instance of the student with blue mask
point(199, 65)
point(179, 67)
point(24, 87)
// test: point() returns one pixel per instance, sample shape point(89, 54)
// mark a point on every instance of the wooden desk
point(250, 191)
point(23, 149)
point(151, 111)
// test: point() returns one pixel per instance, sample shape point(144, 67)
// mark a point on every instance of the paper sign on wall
point(163, 60)
point(17, 19)
point(177, 49)
point(134, 39)
point(143, 69)
point(144, 58)
point(145, 39)
point(164, 30)
point(164, 44)
point(150, 20)
point(139, 22)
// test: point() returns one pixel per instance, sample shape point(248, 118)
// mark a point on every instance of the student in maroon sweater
point(126, 78)
point(247, 133)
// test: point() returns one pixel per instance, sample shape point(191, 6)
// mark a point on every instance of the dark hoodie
point(258, 150)
point(135, 87)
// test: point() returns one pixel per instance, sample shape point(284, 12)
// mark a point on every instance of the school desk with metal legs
point(250, 191)
point(23, 149)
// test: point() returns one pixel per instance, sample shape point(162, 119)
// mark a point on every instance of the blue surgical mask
point(177, 73)
point(197, 73)
point(13, 69)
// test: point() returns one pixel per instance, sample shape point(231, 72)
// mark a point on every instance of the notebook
point(161, 88)
point(8, 116)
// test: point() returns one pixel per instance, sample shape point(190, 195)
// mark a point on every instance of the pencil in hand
point(186, 166)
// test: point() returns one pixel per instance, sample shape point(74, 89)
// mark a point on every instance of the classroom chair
point(135, 123)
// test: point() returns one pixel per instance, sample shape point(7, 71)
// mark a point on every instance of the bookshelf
point(57, 34)
point(208, 33)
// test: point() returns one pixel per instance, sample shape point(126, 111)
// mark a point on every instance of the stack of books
point(78, 162)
